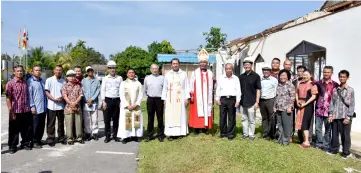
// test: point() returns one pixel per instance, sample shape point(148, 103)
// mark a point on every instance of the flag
point(19, 39)
point(24, 40)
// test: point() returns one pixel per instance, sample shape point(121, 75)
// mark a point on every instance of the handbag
point(343, 101)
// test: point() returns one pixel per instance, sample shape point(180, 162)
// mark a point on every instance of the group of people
point(287, 102)
point(290, 102)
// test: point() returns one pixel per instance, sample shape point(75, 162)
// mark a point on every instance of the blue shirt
point(37, 95)
point(91, 89)
point(269, 87)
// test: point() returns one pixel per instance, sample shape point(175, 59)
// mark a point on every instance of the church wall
point(338, 33)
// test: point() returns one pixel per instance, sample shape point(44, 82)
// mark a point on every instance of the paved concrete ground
point(93, 156)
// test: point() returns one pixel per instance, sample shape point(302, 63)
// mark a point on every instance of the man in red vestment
point(201, 90)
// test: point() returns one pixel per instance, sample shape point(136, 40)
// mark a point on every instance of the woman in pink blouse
point(305, 98)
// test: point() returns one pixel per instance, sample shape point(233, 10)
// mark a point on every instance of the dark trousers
point(338, 128)
point(227, 109)
point(23, 125)
point(284, 122)
point(111, 113)
point(39, 126)
point(155, 105)
point(323, 140)
point(51, 118)
point(266, 108)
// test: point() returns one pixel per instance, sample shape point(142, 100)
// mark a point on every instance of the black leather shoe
point(81, 141)
point(95, 137)
point(161, 139)
point(63, 142)
point(52, 144)
point(37, 145)
point(136, 139)
point(13, 151)
point(148, 139)
point(107, 140)
point(70, 143)
point(231, 138)
point(124, 141)
point(116, 139)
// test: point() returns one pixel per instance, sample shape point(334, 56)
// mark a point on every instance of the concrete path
point(93, 156)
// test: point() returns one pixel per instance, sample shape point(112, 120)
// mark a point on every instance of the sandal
point(303, 145)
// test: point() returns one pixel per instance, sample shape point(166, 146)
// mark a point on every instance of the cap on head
point(111, 64)
point(70, 73)
point(88, 68)
point(248, 60)
point(266, 67)
point(203, 55)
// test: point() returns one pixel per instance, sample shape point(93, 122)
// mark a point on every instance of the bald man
point(153, 86)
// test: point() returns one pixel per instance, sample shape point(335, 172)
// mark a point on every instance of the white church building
point(328, 36)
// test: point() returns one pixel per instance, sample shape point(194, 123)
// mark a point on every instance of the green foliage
point(133, 57)
point(214, 38)
point(163, 47)
point(37, 56)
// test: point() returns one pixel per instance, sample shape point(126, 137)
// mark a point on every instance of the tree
point(5, 57)
point(162, 47)
point(133, 57)
point(214, 38)
point(37, 56)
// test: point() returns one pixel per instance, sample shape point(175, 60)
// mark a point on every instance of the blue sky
point(110, 27)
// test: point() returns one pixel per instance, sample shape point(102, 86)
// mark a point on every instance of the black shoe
point(244, 137)
point(231, 138)
point(70, 143)
point(136, 139)
point(124, 141)
point(107, 140)
point(251, 138)
point(116, 139)
point(13, 151)
point(52, 144)
point(37, 145)
point(63, 142)
point(161, 139)
point(148, 139)
point(81, 141)
point(95, 137)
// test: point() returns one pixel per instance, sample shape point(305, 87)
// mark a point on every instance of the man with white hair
point(153, 86)
point(201, 90)
point(111, 101)
point(268, 94)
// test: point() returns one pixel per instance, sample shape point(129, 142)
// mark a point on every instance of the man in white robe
point(131, 117)
point(175, 95)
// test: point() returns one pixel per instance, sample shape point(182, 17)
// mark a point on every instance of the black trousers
point(23, 125)
point(338, 128)
point(268, 126)
point(51, 118)
point(111, 113)
point(39, 126)
point(155, 105)
point(227, 109)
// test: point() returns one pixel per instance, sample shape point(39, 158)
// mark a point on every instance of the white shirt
point(54, 86)
point(228, 87)
point(110, 86)
point(269, 87)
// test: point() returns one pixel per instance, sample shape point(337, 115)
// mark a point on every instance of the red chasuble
point(195, 121)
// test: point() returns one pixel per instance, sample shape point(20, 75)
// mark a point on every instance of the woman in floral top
point(283, 106)
point(305, 99)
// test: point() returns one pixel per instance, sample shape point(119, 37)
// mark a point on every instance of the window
point(310, 55)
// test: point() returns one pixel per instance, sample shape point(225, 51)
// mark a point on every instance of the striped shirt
point(91, 89)
point(37, 95)
point(337, 108)
point(18, 92)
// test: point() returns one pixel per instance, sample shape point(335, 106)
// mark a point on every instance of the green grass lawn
point(207, 153)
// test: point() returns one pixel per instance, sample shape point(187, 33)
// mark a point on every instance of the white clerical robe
point(175, 92)
point(201, 83)
point(130, 122)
